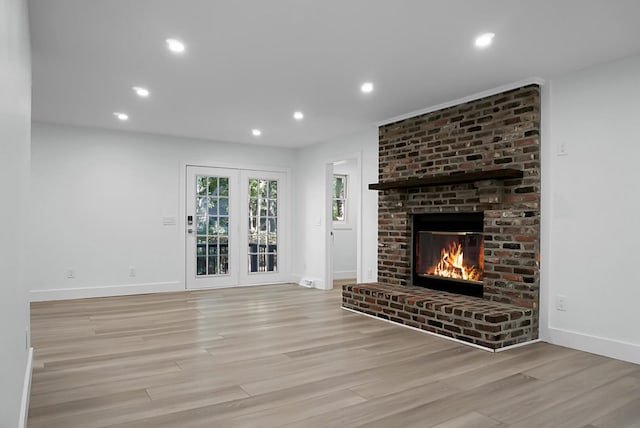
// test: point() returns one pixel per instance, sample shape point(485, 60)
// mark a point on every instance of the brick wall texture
point(499, 131)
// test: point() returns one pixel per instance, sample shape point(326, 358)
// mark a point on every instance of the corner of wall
point(26, 391)
point(545, 208)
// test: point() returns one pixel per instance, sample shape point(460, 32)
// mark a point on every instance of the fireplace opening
point(448, 252)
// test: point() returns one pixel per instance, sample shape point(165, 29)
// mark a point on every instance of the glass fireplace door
point(450, 255)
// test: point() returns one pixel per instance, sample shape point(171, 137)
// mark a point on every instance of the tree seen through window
point(339, 208)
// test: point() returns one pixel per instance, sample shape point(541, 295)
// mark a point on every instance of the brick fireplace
point(480, 157)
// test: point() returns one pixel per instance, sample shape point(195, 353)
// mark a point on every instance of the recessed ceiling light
point(141, 92)
point(175, 46)
point(367, 87)
point(484, 40)
point(121, 116)
point(298, 115)
point(256, 132)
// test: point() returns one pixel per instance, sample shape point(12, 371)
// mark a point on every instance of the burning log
point(451, 265)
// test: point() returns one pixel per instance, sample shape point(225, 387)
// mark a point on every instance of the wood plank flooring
point(284, 355)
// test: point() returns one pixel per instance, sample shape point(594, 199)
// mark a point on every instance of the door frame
point(284, 258)
point(281, 276)
point(328, 218)
point(234, 240)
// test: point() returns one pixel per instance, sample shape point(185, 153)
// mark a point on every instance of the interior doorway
point(344, 203)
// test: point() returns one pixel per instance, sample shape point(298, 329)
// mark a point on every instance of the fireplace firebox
point(448, 252)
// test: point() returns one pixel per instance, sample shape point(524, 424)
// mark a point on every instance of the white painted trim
point(326, 222)
point(517, 345)
point(476, 96)
point(286, 256)
point(320, 284)
point(219, 287)
point(345, 274)
point(462, 342)
point(26, 391)
point(104, 291)
point(473, 345)
point(284, 243)
point(612, 348)
point(546, 212)
point(358, 157)
point(238, 166)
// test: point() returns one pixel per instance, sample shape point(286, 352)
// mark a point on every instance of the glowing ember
point(451, 265)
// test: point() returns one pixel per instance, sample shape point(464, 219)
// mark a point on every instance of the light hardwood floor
point(285, 355)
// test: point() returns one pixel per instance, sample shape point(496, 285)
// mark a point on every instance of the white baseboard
point(301, 280)
point(104, 291)
point(452, 339)
point(26, 391)
point(345, 274)
point(517, 345)
point(222, 287)
point(596, 345)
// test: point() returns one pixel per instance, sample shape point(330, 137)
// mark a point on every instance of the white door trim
point(234, 197)
point(182, 230)
point(328, 220)
point(247, 278)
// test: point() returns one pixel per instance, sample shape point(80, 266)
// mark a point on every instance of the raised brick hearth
point(501, 131)
point(474, 320)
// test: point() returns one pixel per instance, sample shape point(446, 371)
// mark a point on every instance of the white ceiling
point(252, 63)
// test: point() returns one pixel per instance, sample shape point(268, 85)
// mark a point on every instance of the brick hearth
point(474, 320)
point(495, 132)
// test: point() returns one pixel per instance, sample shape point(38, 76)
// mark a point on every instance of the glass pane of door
point(212, 225)
point(262, 251)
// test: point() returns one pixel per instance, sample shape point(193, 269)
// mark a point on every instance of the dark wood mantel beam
point(439, 180)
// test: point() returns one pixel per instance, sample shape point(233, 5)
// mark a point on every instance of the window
point(212, 225)
point(339, 209)
point(263, 225)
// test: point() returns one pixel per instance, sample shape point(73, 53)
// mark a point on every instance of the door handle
point(190, 230)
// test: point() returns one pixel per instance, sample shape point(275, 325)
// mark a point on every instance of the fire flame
point(451, 265)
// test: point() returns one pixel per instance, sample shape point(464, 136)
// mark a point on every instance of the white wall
point(345, 261)
point(98, 202)
point(591, 205)
point(310, 204)
point(15, 122)
point(99, 198)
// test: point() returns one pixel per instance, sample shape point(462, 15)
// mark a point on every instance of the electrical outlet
point(71, 273)
point(561, 302)
point(132, 271)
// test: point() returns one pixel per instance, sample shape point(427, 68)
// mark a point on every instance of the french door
point(234, 227)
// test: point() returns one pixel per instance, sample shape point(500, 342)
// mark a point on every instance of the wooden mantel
point(440, 180)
